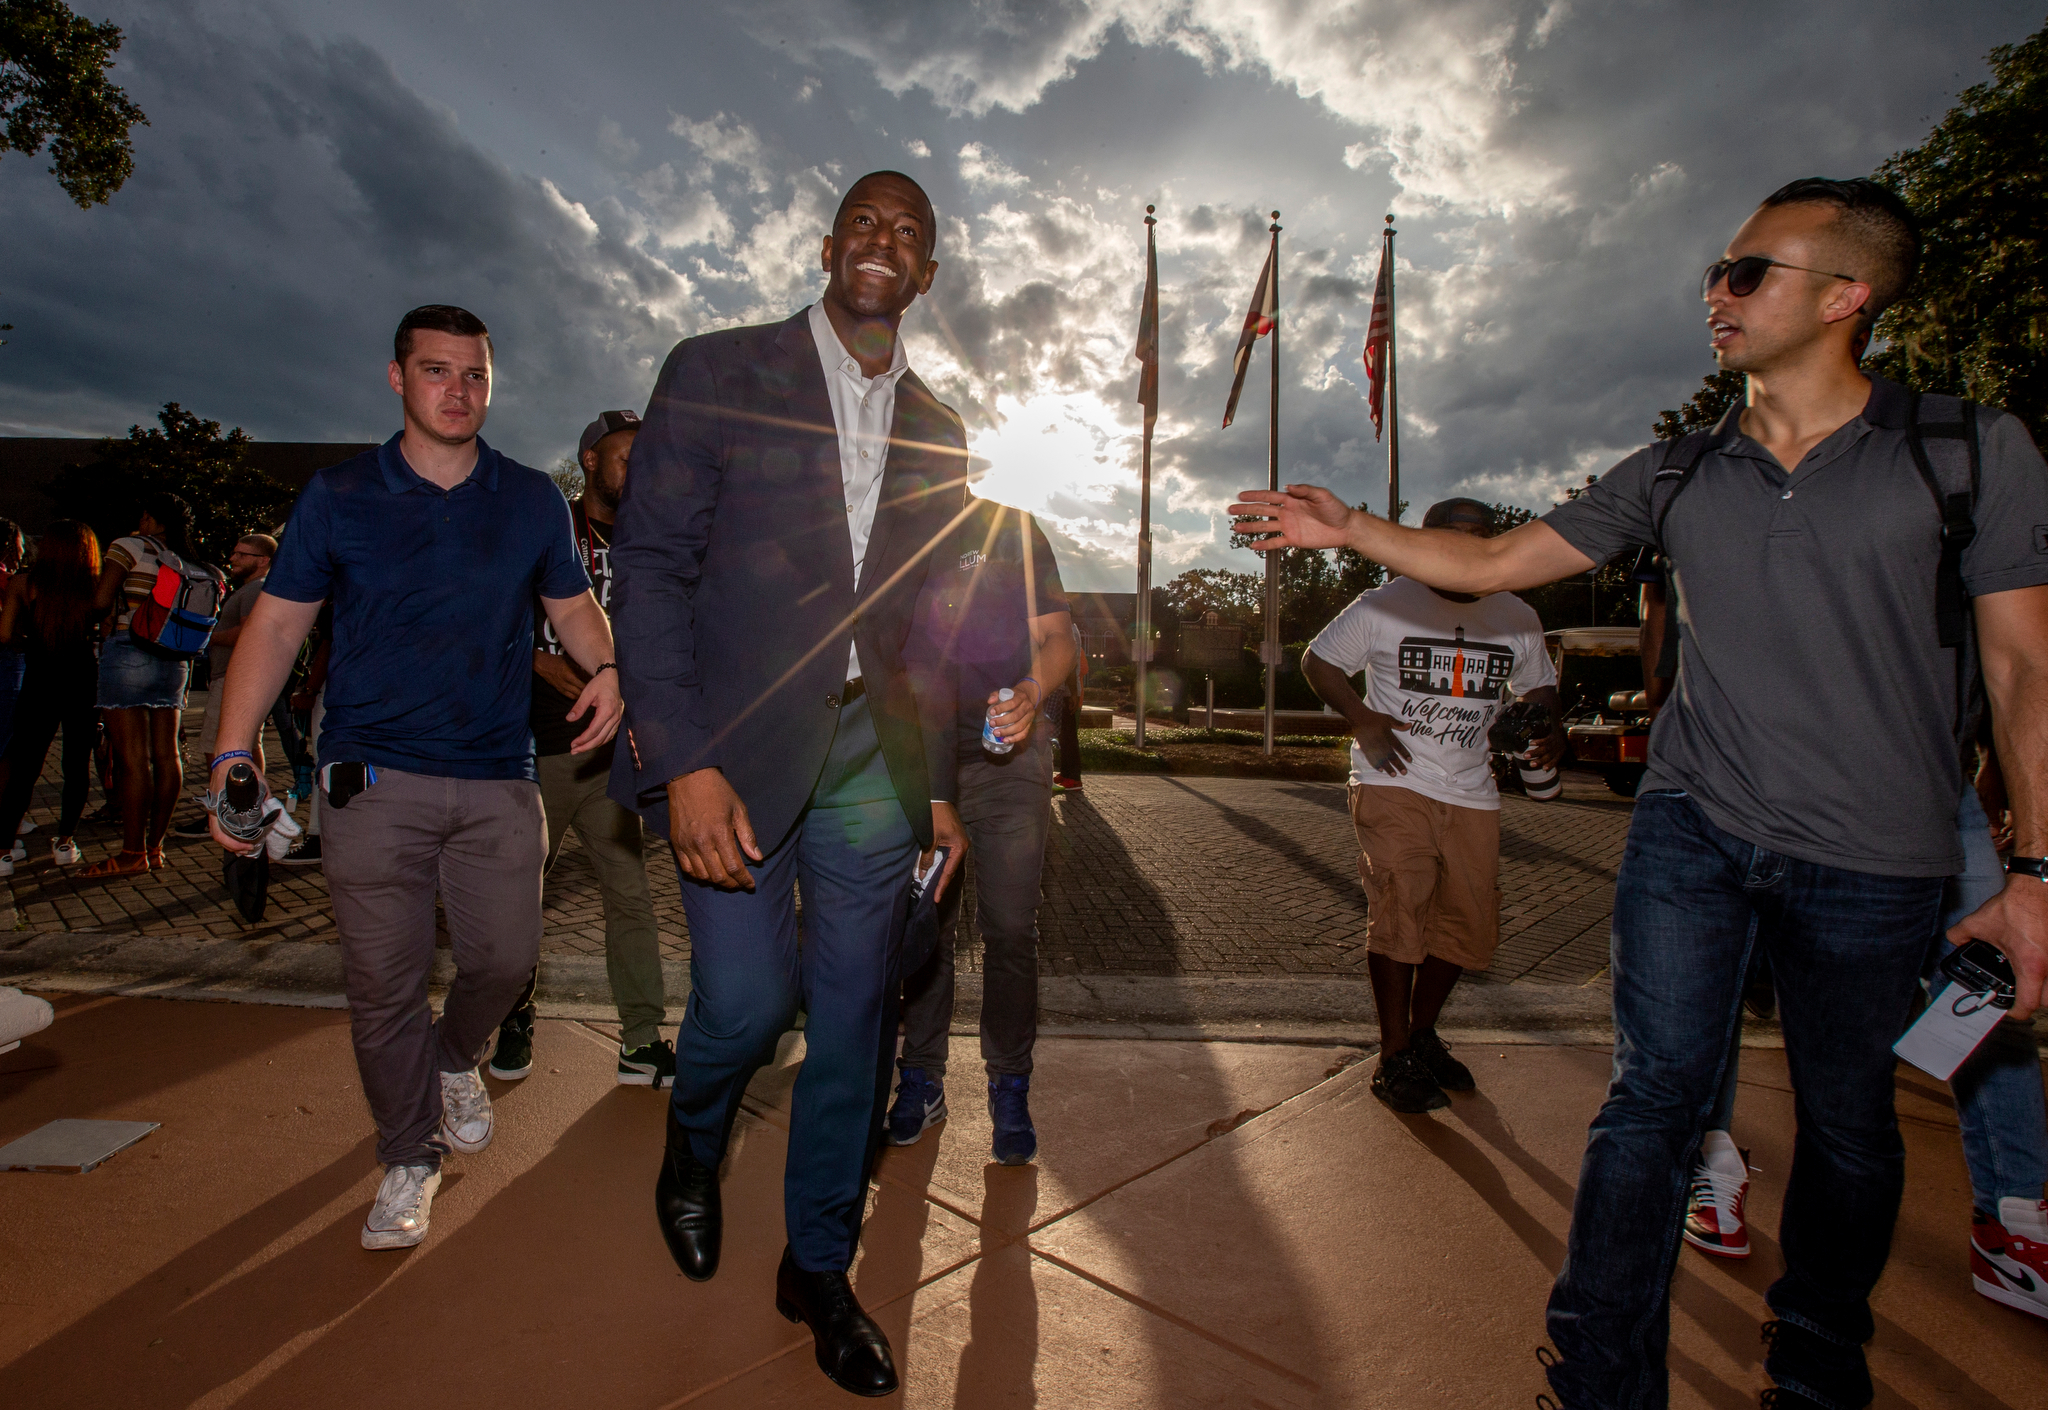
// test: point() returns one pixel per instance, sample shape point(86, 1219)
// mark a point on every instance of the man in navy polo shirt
point(432, 548)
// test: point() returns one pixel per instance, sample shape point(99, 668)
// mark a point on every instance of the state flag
point(1259, 320)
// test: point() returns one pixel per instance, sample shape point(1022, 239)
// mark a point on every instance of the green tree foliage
point(568, 477)
point(1975, 323)
point(188, 456)
point(1704, 412)
point(54, 92)
point(1234, 597)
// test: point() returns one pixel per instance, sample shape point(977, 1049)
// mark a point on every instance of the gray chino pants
point(572, 789)
point(1006, 807)
point(479, 843)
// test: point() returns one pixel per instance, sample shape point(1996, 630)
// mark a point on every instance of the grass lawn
point(1232, 753)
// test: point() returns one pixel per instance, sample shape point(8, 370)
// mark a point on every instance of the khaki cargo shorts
point(1432, 876)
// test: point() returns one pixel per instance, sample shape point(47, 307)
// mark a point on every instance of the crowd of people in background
point(776, 631)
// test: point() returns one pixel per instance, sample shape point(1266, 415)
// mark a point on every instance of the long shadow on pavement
point(180, 1331)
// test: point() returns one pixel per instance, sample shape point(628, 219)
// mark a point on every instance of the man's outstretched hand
point(1300, 516)
point(2016, 921)
point(708, 828)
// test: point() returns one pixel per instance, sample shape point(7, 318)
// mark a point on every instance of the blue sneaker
point(1009, 1106)
point(920, 1103)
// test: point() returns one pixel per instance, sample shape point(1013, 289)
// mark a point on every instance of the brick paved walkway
point(1145, 875)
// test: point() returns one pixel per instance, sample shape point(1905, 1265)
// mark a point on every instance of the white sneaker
point(2009, 1255)
point(19, 852)
point(6, 867)
point(465, 1111)
point(66, 852)
point(1713, 1208)
point(404, 1201)
point(24, 828)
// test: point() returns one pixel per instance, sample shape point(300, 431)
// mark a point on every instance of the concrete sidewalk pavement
point(1209, 1224)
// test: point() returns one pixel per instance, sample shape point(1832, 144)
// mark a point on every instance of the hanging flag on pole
point(1148, 397)
point(1258, 322)
point(1148, 330)
point(1378, 335)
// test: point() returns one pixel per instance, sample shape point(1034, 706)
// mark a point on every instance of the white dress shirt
point(863, 411)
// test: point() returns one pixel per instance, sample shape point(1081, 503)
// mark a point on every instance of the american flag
point(1258, 322)
point(1379, 342)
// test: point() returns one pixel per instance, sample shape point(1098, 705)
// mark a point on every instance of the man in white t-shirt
point(1438, 667)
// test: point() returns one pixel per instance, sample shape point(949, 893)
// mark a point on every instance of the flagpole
point(1270, 649)
point(1393, 397)
point(1141, 642)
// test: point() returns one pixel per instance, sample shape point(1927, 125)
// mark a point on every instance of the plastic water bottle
point(991, 741)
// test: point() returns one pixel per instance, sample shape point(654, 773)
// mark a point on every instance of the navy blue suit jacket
point(734, 597)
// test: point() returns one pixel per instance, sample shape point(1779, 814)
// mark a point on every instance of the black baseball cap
point(606, 423)
point(1446, 512)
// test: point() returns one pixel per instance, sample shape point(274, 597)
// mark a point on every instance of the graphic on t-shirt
point(1457, 667)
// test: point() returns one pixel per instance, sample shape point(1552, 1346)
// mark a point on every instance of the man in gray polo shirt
point(1804, 783)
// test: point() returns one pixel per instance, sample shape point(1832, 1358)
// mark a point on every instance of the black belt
point(848, 693)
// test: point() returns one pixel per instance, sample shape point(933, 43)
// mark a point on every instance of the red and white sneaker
point(1713, 1209)
point(2009, 1255)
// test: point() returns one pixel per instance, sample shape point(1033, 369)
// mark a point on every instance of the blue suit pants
point(852, 852)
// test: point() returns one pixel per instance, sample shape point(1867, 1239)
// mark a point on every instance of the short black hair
point(931, 216)
point(1470, 511)
point(1877, 229)
point(438, 318)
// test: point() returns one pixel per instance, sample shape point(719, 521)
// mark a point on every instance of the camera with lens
point(1516, 728)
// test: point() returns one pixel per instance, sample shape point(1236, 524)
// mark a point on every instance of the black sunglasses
point(1746, 274)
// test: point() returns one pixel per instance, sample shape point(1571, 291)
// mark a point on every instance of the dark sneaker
point(649, 1065)
point(920, 1105)
point(1445, 1070)
point(195, 827)
point(304, 851)
point(514, 1056)
point(1009, 1107)
point(1403, 1083)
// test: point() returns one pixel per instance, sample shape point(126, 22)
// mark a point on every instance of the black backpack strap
point(1681, 462)
point(1942, 435)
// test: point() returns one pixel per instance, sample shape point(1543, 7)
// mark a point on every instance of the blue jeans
point(1847, 949)
point(1999, 1100)
point(853, 852)
point(2000, 1104)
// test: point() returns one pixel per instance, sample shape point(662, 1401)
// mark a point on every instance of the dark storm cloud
point(597, 185)
point(291, 200)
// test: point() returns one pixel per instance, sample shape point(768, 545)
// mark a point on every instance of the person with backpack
point(1842, 546)
point(49, 616)
point(164, 607)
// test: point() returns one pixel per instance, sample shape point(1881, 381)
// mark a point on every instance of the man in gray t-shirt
point(1805, 779)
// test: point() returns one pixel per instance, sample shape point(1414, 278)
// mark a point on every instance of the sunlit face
point(879, 253)
point(446, 385)
point(1793, 309)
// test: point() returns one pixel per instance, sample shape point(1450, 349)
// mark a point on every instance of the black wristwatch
point(2028, 866)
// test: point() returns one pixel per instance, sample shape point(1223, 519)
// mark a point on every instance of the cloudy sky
point(597, 181)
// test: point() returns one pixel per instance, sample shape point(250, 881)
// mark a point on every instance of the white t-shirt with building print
point(1439, 667)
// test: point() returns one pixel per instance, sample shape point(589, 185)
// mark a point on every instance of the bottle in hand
point(991, 741)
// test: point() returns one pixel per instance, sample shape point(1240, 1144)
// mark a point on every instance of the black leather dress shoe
point(686, 1201)
point(852, 1352)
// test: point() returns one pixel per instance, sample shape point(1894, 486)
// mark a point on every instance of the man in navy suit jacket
point(787, 488)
